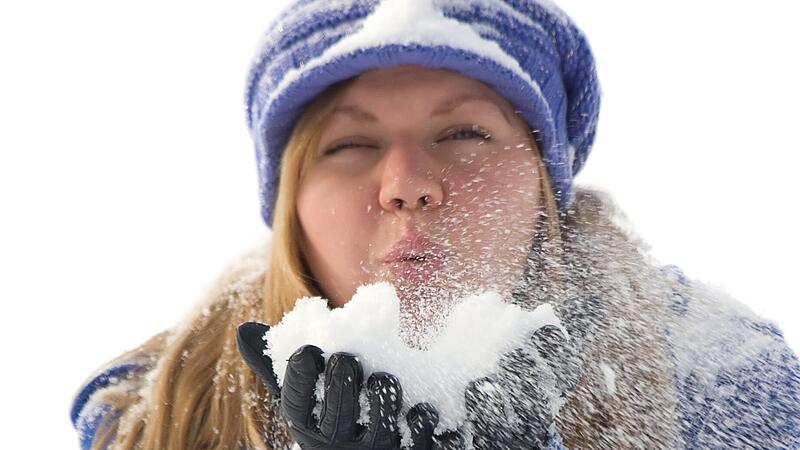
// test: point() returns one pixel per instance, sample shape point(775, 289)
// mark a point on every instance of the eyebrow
point(453, 103)
point(355, 113)
point(445, 107)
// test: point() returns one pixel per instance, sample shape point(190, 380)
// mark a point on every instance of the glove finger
point(449, 440)
point(550, 341)
point(422, 420)
point(385, 398)
point(250, 339)
point(487, 414)
point(559, 354)
point(518, 364)
point(527, 379)
point(299, 383)
point(340, 408)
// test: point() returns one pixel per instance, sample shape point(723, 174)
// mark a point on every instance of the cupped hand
point(516, 407)
point(337, 426)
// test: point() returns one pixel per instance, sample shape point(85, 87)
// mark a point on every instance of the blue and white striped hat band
point(529, 51)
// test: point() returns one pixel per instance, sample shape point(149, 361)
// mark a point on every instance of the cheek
point(496, 205)
point(336, 224)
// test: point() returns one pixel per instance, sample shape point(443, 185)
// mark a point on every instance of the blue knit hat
point(528, 51)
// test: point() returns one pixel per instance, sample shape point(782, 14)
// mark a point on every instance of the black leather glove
point(515, 408)
point(337, 427)
point(422, 420)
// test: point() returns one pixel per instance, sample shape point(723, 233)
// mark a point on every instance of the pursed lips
point(415, 258)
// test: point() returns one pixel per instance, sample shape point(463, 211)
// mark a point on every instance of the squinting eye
point(344, 146)
point(471, 132)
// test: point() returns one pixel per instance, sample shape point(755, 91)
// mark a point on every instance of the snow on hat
point(529, 51)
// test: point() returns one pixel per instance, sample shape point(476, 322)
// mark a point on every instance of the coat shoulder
point(738, 380)
point(103, 397)
point(122, 383)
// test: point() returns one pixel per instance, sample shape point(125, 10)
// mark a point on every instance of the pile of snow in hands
point(477, 332)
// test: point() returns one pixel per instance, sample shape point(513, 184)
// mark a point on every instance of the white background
point(127, 178)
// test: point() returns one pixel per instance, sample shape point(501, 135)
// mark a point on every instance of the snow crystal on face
point(369, 326)
point(407, 22)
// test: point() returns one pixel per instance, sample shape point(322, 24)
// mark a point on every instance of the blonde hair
point(201, 395)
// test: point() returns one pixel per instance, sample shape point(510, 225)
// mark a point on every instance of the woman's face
point(424, 178)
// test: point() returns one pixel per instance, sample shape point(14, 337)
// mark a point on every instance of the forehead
point(420, 85)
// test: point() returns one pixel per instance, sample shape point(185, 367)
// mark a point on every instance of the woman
point(433, 144)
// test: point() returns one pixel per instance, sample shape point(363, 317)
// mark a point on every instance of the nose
point(408, 181)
